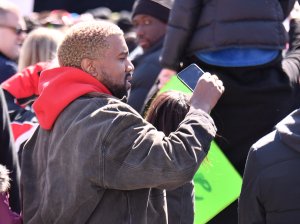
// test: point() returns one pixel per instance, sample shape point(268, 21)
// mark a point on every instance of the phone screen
point(190, 75)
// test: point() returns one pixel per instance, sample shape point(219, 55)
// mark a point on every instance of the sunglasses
point(16, 30)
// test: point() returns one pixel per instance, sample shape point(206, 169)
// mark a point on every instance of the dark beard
point(120, 91)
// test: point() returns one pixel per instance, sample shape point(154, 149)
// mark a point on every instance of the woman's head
point(167, 110)
point(39, 46)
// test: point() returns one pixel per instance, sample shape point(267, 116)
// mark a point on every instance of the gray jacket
point(271, 183)
point(201, 25)
point(102, 163)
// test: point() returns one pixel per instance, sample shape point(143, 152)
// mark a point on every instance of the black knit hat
point(159, 9)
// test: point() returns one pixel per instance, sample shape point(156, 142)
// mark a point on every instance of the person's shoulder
point(270, 151)
point(154, 55)
point(111, 103)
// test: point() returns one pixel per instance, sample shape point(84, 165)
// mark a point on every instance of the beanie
point(158, 9)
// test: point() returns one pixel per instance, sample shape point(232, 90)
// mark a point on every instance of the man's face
point(148, 30)
point(114, 67)
point(11, 34)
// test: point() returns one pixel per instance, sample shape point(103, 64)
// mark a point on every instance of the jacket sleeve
point(287, 6)
point(25, 83)
point(250, 209)
point(291, 62)
point(181, 25)
point(137, 156)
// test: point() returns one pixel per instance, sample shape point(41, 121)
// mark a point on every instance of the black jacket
point(147, 68)
point(271, 185)
point(8, 155)
point(199, 25)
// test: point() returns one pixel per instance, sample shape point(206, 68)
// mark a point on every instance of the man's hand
point(207, 92)
point(164, 76)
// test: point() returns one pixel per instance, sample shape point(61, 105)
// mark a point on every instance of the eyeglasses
point(16, 30)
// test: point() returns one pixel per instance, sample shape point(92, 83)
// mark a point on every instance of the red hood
point(58, 87)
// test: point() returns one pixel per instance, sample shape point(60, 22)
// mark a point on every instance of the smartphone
point(190, 75)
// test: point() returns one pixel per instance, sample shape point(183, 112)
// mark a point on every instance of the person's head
point(168, 110)
point(40, 45)
point(12, 28)
point(99, 49)
point(150, 18)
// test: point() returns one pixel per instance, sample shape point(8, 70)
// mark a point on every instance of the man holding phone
point(93, 156)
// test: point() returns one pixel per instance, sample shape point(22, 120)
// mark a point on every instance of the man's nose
point(130, 66)
point(139, 31)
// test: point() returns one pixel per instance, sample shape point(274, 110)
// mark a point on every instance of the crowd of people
point(87, 136)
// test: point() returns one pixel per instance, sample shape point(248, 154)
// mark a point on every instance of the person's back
point(270, 192)
point(242, 42)
point(12, 36)
point(216, 25)
point(166, 112)
point(94, 157)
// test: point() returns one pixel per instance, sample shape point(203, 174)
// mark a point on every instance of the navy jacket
point(271, 184)
point(7, 68)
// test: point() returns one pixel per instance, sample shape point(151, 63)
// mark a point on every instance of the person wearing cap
point(149, 18)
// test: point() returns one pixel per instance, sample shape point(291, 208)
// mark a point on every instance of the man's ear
point(87, 65)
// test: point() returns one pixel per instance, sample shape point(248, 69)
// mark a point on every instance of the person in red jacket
point(20, 91)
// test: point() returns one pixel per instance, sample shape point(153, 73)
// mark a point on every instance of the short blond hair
point(39, 46)
point(86, 40)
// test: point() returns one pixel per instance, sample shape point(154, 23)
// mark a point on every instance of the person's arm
point(181, 25)
point(291, 61)
point(250, 209)
point(25, 83)
point(136, 155)
point(287, 6)
point(164, 76)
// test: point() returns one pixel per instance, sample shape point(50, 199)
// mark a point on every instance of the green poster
point(217, 183)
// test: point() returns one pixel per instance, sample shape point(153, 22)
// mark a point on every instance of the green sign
point(217, 183)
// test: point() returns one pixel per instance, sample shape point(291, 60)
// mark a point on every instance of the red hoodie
point(58, 87)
